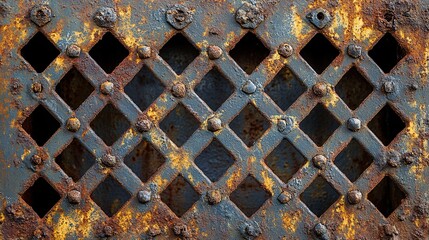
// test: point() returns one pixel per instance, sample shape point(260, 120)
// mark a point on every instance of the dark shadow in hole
point(353, 88)
point(249, 196)
point(387, 53)
point(319, 53)
point(108, 52)
point(386, 196)
point(39, 52)
point(41, 197)
point(179, 196)
point(386, 125)
point(214, 82)
point(178, 52)
point(74, 89)
point(353, 160)
point(110, 196)
point(110, 124)
point(319, 196)
point(40, 125)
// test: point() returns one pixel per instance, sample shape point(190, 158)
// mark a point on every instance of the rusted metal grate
point(214, 119)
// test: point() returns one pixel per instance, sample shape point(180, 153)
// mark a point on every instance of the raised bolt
point(108, 160)
point(214, 124)
point(74, 197)
point(106, 88)
point(285, 124)
point(181, 229)
point(144, 196)
point(285, 50)
point(41, 14)
point(36, 159)
point(354, 196)
point(392, 158)
point(144, 52)
point(252, 230)
point(179, 16)
point(354, 124)
point(107, 231)
point(249, 16)
point(319, 18)
point(284, 197)
point(389, 87)
point(143, 124)
point(214, 52)
point(249, 87)
point(73, 124)
point(179, 90)
point(354, 51)
point(73, 51)
point(214, 197)
point(320, 230)
point(319, 161)
point(36, 87)
point(105, 17)
point(409, 158)
point(390, 230)
point(320, 89)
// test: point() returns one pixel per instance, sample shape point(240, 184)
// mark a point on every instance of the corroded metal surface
point(82, 173)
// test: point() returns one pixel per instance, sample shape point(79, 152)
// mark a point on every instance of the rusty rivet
point(249, 87)
point(41, 14)
point(214, 197)
point(107, 231)
point(249, 16)
point(354, 196)
point(181, 229)
point(144, 196)
point(284, 197)
point(36, 87)
point(73, 124)
point(36, 159)
point(144, 52)
point(285, 124)
point(73, 51)
point(388, 87)
point(214, 52)
point(179, 90)
point(354, 124)
point(285, 50)
point(153, 231)
point(214, 124)
point(409, 158)
point(390, 230)
point(252, 230)
point(143, 124)
point(108, 160)
point(105, 17)
point(320, 89)
point(321, 231)
point(74, 197)
point(179, 16)
point(319, 161)
point(392, 158)
point(106, 88)
point(354, 51)
point(320, 18)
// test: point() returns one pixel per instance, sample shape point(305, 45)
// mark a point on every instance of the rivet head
point(354, 124)
point(179, 16)
point(249, 16)
point(107, 231)
point(319, 161)
point(108, 160)
point(41, 14)
point(252, 229)
point(390, 230)
point(106, 88)
point(74, 197)
point(320, 230)
point(105, 17)
point(144, 196)
point(214, 197)
point(320, 18)
point(392, 157)
point(249, 87)
point(73, 124)
point(214, 52)
point(284, 197)
point(214, 124)
point(320, 89)
point(388, 87)
point(143, 124)
point(354, 196)
point(181, 229)
point(354, 51)
point(179, 90)
point(285, 124)
point(73, 51)
point(36, 159)
point(36, 87)
point(285, 50)
point(144, 52)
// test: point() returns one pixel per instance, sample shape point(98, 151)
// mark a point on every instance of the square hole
point(110, 124)
point(319, 124)
point(249, 196)
point(353, 88)
point(179, 196)
point(214, 89)
point(110, 196)
point(41, 196)
point(108, 53)
point(386, 125)
point(74, 89)
point(353, 160)
point(319, 53)
point(178, 52)
point(387, 196)
point(40, 125)
point(39, 52)
point(387, 53)
point(319, 196)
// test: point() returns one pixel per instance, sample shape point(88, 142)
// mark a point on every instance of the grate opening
point(110, 196)
point(144, 160)
point(249, 52)
point(319, 124)
point(40, 125)
point(214, 89)
point(353, 160)
point(108, 53)
point(214, 160)
point(319, 53)
point(110, 124)
point(319, 196)
point(179, 125)
point(353, 88)
point(75, 160)
point(387, 53)
point(249, 125)
point(178, 52)
point(285, 160)
point(249, 196)
point(386, 196)
point(386, 125)
point(39, 52)
point(74, 88)
point(144, 88)
point(41, 197)
point(179, 196)
point(285, 88)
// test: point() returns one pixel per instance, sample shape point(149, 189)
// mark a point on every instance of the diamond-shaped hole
point(108, 52)
point(353, 160)
point(319, 124)
point(249, 52)
point(179, 125)
point(41, 197)
point(110, 196)
point(178, 52)
point(214, 82)
point(74, 88)
point(110, 124)
point(387, 196)
point(249, 196)
point(319, 53)
point(250, 125)
point(285, 160)
point(144, 160)
point(319, 196)
point(214, 160)
point(144, 88)
point(75, 160)
point(285, 88)
point(353, 88)
point(40, 125)
point(387, 53)
point(179, 196)
point(39, 52)
point(386, 125)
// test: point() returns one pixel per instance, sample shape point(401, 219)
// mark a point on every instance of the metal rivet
point(354, 124)
point(390, 230)
point(249, 87)
point(179, 16)
point(285, 124)
point(36, 87)
point(284, 197)
point(354, 196)
point(252, 230)
point(388, 87)
point(410, 158)
point(105, 17)
point(41, 14)
point(214, 52)
point(319, 161)
point(321, 231)
point(285, 50)
point(144, 52)
point(392, 157)
point(214, 197)
point(36, 159)
point(107, 231)
point(320, 89)
point(249, 16)
point(108, 160)
point(320, 18)
point(179, 90)
point(354, 51)
point(106, 88)
point(143, 124)
point(181, 229)
point(73, 124)
point(214, 124)
point(74, 197)
point(144, 196)
point(73, 51)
